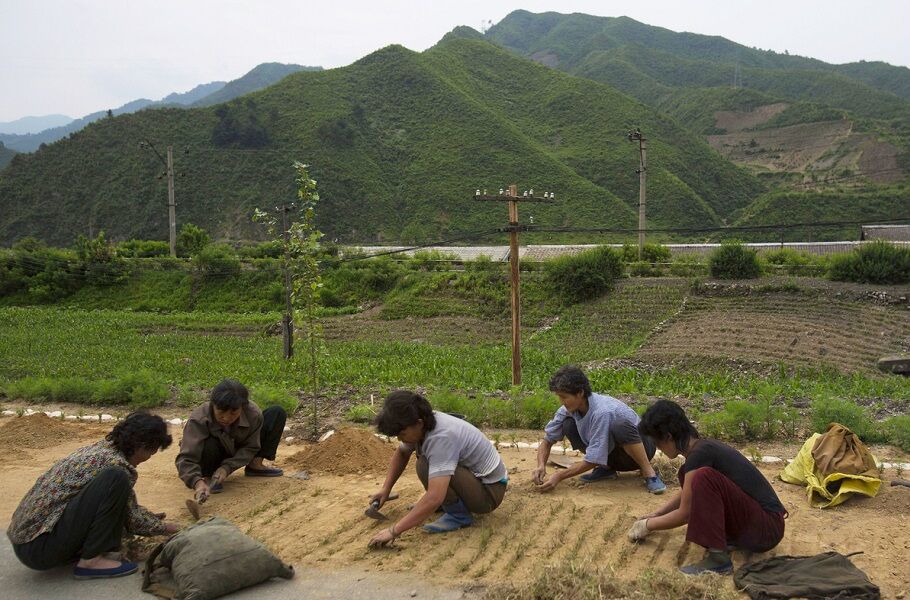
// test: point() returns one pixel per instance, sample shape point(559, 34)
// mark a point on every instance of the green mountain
point(398, 142)
point(6, 155)
point(857, 116)
point(260, 77)
point(205, 94)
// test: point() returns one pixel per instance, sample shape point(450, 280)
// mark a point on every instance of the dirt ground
point(318, 522)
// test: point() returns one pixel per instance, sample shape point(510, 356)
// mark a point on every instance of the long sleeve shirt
point(43, 505)
point(240, 441)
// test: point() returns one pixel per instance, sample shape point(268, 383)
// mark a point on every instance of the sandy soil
point(319, 522)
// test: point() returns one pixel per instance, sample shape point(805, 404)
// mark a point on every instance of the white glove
point(638, 531)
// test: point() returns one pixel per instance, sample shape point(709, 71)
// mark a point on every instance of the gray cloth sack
point(207, 560)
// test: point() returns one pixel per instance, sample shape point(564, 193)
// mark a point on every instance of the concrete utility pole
point(513, 199)
point(171, 204)
point(642, 173)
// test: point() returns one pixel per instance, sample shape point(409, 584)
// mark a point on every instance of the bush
point(741, 420)
point(847, 413)
point(265, 396)
point(191, 240)
point(270, 249)
point(687, 265)
point(143, 248)
point(432, 260)
point(139, 389)
point(98, 261)
point(216, 260)
point(643, 268)
point(734, 261)
point(537, 409)
point(651, 253)
point(583, 276)
point(877, 262)
point(898, 430)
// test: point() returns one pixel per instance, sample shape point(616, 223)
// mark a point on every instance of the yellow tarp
point(825, 492)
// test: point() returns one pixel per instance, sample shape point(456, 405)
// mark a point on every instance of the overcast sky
point(79, 56)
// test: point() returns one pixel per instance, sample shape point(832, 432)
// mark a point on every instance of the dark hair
point(402, 409)
point(139, 430)
point(230, 394)
point(571, 380)
point(665, 419)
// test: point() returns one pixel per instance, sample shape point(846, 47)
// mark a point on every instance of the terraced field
point(783, 328)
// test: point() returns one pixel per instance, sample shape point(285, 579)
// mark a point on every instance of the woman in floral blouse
point(80, 507)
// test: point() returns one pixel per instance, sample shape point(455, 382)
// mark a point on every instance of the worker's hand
point(171, 528)
point(550, 484)
point(202, 491)
point(382, 539)
point(638, 531)
point(219, 476)
point(539, 474)
point(381, 497)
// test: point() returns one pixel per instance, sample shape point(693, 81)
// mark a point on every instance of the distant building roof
point(898, 233)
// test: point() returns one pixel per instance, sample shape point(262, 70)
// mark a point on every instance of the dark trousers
point(478, 497)
point(91, 524)
point(722, 514)
point(273, 421)
point(622, 432)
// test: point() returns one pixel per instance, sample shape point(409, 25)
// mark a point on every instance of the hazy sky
point(79, 56)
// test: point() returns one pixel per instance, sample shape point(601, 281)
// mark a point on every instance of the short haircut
point(665, 419)
point(571, 380)
point(139, 430)
point(403, 409)
point(230, 394)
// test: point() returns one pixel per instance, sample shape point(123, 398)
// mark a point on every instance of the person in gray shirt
point(602, 427)
point(457, 465)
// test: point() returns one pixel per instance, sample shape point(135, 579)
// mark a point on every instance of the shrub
point(583, 276)
point(734, 261)
point(266, 396)
point(269, 249)
point(216, 260)
point(98, 261)
point(143, 248)
point(687, 265)
point(847, 413)
point(898, 430)
point(741, 420)
point(432, 260)
point(537, 409)
point(139, 389)
point(877, 262)
point(651, 253)
point(191, 240)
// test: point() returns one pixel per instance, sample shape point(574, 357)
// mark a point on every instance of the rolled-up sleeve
point(553, 431)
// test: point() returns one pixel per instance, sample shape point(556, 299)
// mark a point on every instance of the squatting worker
point(459, 467)
point(602, 427)
point(80, 507)
point(227, 433)
point(726, 502)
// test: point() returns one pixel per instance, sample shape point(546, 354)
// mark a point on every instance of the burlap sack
point(839, 450)
point(208, 560)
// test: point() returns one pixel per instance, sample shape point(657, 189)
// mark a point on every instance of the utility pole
point(642, 173)
point(513, 199)
point(287, 322)
point(171, 204)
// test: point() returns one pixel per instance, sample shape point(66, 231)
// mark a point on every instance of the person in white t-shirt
point(459, 467)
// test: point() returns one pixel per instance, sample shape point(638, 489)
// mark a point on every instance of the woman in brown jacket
point(227, 433)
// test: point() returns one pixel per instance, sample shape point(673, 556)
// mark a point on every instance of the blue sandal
point(125, 568)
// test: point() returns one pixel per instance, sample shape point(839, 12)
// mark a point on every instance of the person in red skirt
point(725, 501)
